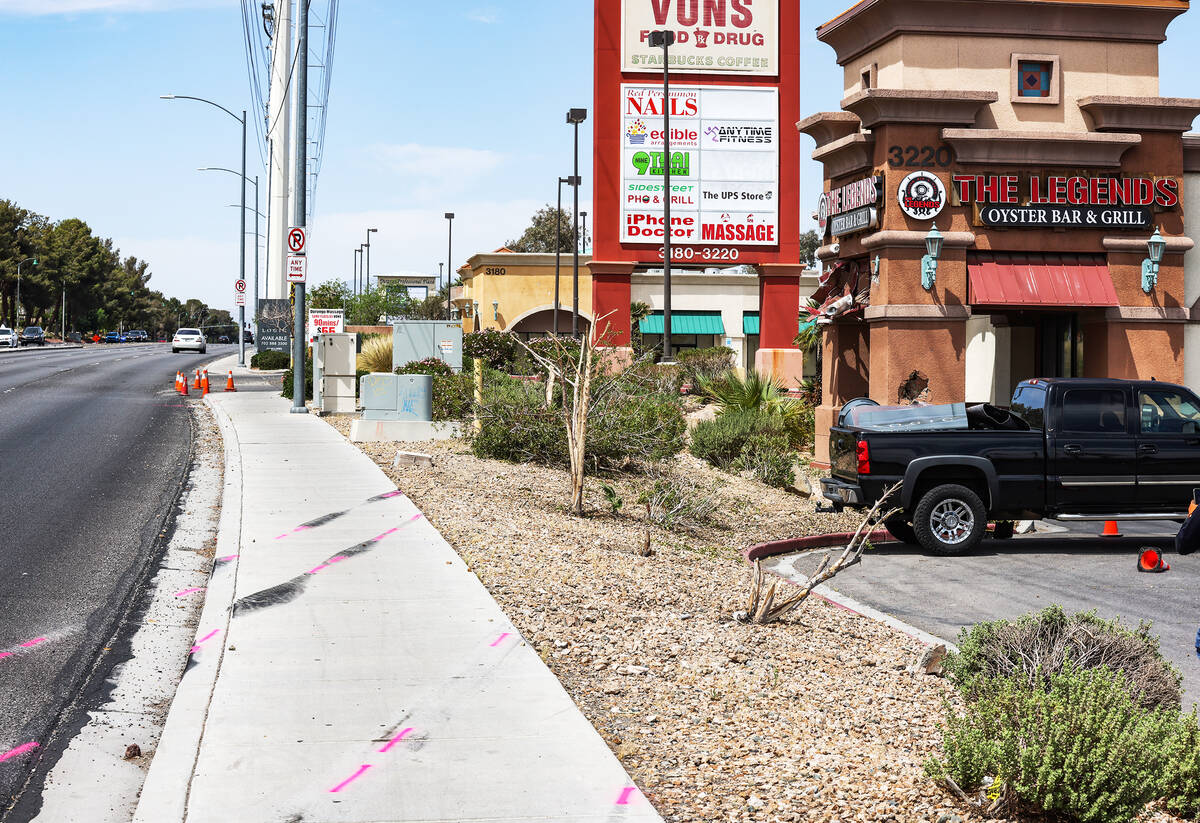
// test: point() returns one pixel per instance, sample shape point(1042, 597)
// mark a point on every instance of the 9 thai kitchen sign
point(711, 36)
point(723, 163)
point(1076, 202)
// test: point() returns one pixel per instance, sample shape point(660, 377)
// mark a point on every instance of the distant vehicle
point(248, 336)
point(137, 336)
point(223, 338)
point(9, 338)
point(191, 339)
point(33, 335)
point(113, 337)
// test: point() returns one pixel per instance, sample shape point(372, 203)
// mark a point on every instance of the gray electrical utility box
point(421, 339)
point(334, 372)
point(397, 396)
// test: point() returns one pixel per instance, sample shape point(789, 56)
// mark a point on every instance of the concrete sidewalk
point(349, 667)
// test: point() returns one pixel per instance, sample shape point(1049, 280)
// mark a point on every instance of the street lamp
point(583, 237)
point(241, 213)
point(665, 39)
point(449, 257)
point(257, 214)
point(367, 263)
point(570, 181)
point(933, 248)
point(19, 264)
point(355, 276)
point(574, 118)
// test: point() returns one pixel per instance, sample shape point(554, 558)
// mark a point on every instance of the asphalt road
point(1004, 579)
point(93, 448)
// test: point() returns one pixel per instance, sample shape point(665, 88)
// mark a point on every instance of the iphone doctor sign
point(739, 37)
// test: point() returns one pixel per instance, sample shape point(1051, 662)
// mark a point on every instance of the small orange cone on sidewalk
point(1151, 561)
point(177, 382)
point(204, 383)
point(196, 384)
point(1110, 529)
point(229, 382)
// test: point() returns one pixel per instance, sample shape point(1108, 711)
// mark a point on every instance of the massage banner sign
point(711, 36)
point(1012, 201)
point(723, 163)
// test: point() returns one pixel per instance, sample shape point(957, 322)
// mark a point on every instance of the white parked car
point(190, 339)
point(9, 338)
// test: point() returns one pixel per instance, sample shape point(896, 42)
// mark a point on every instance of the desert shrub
point(495, 348)
point(1036, 646)
point(677, 502)
point(765, 395)
point(516, 425)
point(1181, 770)
point(1076, 745)
point(720, 441)
point(547, 347)
point(704, 364)
point(430, 365)
point(453, 396)
point(769, 459)
point(376, 355)
point(289, 375)
point(270, 360)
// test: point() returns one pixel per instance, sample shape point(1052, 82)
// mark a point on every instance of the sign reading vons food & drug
point(1060, 201)
point(711, 36)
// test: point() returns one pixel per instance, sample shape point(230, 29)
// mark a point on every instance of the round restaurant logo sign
point(823, 213)
point(922, 195)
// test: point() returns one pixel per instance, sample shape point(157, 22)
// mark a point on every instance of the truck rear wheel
point(949, 520)
point(899, 527)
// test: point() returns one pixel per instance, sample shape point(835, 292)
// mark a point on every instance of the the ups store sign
point(1037, 201)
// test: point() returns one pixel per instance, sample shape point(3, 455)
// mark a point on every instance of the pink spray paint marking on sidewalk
point(5, 654)
point(499, 640)
point(208, 636)
point(192, 590)
point(33, 642)
point(228, 557)
point(293, 531)
point(626, 794)
point(18, 751)
point(395, 740)
point(350, 779)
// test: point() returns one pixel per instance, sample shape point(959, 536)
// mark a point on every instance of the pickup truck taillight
point(864, 457)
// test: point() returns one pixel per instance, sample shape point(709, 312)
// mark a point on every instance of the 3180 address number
point(693, 253)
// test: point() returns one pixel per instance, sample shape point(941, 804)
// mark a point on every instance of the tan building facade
point(990, 197)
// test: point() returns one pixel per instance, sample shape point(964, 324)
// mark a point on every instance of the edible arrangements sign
point(1078, 202)
point(724, 165)
point(711, 36)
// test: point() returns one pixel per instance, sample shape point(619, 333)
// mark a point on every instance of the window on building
point(1034, 80)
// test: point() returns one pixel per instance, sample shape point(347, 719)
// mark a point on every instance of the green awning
point(684, 322)
point(750, 322)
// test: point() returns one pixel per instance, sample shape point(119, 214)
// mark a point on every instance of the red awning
point(999, 279)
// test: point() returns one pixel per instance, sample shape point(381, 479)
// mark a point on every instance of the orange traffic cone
point(177, 382)
point(1110, 529)
point(204, 383)
point(229, 382)
point(183, 389)
point(1151, 561)
point(196, 384)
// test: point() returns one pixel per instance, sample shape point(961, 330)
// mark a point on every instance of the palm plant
point(758, 394)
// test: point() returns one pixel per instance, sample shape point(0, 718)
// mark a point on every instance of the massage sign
point(1050, 201)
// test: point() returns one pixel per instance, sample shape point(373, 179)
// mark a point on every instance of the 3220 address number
point(693, 253)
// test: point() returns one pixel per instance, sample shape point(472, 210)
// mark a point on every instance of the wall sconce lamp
point(933, 247)
point(495, 309)
point(1157, 246)
point(475, 304)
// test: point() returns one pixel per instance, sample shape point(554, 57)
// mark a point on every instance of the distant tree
point(332, 294)
point(809, 243)
point(539, 237)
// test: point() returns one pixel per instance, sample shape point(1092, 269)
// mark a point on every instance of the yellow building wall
point(527, 285)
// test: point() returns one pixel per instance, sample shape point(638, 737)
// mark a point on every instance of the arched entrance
point(540, 322)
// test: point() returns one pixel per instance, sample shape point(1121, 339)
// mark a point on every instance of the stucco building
point(1022, 150)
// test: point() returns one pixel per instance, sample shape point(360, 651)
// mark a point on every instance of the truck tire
point(899, 527)
point(949, 520)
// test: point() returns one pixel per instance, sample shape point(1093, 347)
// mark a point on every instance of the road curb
point(164, 795)
point(842, 601)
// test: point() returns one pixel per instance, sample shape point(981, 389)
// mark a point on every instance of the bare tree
point(762, 608)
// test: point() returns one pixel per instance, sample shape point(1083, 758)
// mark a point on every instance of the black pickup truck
point(1066, 448)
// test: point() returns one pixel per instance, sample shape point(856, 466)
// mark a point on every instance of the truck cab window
point(1168, 411)
point(1029, 404)
point(1094, 411)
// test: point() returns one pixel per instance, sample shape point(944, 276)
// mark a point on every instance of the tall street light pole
point(257, 214)
point(241, 213)
point(575, 117)
point(665, 39)
point(583, 237)
point(367, 264)
point(449, 257)
point(300, 198)
point(357, 279)
point(557, 249)
point(19, 264)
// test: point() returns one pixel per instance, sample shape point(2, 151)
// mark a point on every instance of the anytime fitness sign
point(1066, 202)
point(711, 36)
point(724, 165)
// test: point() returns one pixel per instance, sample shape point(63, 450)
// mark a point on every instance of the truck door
point(1168, 448)
point(1094, 452)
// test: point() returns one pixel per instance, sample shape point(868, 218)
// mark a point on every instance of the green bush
point(769, 458)
point(636, 426)
point(764, 395)
point(430, 365)
point(453, 396)
point(270, 360)
point(1081, 747)
point(1037, 646)
point(704, 364)
point(289, 375)
point(721, 441)
point(495, 348)
point(515, 426)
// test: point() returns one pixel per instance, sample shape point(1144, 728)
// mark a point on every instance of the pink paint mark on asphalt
point(208, 636)
point(18, 751)
point(5, 654)
point(317, 569)
point(186, 592)
point(499, 639)
point(626, 793)
point(395, 740)
point(348, 780)
point(33, 642)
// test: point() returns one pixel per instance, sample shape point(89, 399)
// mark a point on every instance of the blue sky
point(452, 106)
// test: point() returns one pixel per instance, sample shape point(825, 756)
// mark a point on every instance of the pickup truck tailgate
point(843, 457)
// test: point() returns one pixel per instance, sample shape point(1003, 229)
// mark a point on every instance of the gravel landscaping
point(811, 719)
